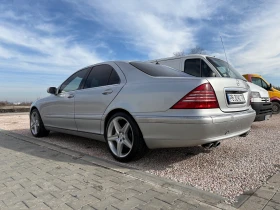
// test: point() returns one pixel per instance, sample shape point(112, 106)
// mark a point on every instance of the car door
point(60, 107)
point(101, 86)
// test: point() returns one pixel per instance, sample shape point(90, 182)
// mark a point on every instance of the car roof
point(183, 56)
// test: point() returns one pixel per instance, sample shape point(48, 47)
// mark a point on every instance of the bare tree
point(277, 87)
point(197, 50)
point(179, 53)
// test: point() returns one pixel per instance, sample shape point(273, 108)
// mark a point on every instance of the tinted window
point(205, 70)
point(114, 78)
point(192, 67)
point(156, 70)
point(73, 82)
point(98, 76)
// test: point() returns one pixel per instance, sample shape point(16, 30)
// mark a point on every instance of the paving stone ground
point(37, 175)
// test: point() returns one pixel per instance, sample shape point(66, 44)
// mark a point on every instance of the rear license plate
point(235, 98)
point(267, 117)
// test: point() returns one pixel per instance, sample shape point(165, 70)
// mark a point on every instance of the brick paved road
point(38, 175)
point(35, 177)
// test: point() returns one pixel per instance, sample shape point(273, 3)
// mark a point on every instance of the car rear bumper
point(263, 110)
point(185, 131)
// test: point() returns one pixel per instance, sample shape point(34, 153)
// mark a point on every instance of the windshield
point(225, 69)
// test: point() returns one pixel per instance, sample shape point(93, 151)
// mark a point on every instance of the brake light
point(202, 97)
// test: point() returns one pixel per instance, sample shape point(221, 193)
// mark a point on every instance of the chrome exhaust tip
point(216, 144)
point(210, 145)
point(207, 146)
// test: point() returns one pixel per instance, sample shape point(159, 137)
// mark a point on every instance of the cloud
point(252, 43)
point(41, 47)
point(152, 28)
point(59, 37)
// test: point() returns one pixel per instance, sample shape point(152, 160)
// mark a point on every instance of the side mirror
point(52, 90)
point(270, 86)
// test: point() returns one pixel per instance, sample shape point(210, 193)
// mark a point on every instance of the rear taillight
point(202, 97)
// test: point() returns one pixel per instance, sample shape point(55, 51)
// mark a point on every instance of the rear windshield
point(156, 70)
point(225, 69)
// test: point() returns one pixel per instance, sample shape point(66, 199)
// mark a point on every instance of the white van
point(207, 66)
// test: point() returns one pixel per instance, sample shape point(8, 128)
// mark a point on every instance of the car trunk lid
point(233, 95)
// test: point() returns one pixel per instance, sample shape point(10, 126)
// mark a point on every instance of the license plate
point(236, 98)
point(267, 117)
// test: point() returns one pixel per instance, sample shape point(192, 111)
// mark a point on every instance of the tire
point(275, 107)
point(124, 138)
point(37, 127)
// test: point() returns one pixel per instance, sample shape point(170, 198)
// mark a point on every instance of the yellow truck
point(274, 94)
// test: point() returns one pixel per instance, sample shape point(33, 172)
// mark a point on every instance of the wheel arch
point(35, 107)
point(32, 108)
point(275, 99)
point(114, 111)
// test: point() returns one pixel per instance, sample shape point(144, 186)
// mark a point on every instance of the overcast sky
point(43, 42)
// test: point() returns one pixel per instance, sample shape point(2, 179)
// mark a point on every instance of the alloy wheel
point(34, 123)
point(120, 137)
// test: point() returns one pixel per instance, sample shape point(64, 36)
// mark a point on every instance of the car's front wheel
point(37, 127)
point(124, 138)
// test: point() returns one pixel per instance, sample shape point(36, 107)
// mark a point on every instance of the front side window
point(265, 85)
point(259, 82)
point(102, 75)
point(192, 67)
point(205, 70)
point(73, 82)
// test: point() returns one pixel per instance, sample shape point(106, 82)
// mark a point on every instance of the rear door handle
point(107, 92)
point(71, 96)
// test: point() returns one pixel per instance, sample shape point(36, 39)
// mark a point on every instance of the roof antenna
point(224, 50)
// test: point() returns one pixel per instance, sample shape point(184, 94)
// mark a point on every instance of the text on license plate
point(235, 98)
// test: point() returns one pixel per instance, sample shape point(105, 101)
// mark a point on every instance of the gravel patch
point(236, 166)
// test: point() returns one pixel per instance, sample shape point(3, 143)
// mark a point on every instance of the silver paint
point(148, 100)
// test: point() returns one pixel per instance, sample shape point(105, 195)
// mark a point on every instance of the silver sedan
point(133, 106)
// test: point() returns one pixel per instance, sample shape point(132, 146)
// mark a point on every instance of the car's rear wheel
point(124, 138)
point(275, 107)
point(37, 127)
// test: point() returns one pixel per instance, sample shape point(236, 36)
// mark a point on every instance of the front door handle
point(107, 92)
point(71, 96)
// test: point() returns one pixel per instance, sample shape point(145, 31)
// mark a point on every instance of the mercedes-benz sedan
point(133, 106)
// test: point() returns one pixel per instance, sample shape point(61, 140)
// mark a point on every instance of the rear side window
point(99, 76)
point(156, 70)
point(192, 67)
point(114, 78)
